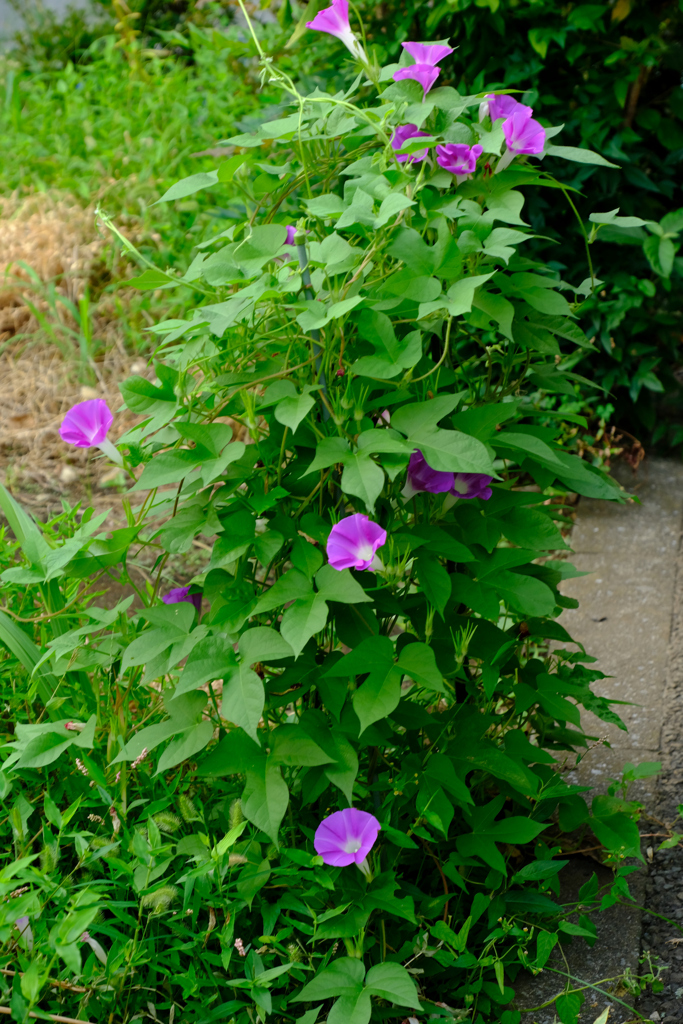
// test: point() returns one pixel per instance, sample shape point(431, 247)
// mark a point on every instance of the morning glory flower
point(458, 158)
point(179, 594)
point(421, 477)
point(427, 53)
point(425, 74)
point(506, 106)
point(523, 135)
point(335, 21)
point(346, 837)
point(353, 542)
point(471, 485)
point(86, 425)
point(401, 135)
point(291, 234)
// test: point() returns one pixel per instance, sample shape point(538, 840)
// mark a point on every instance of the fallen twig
point(50, 1016)
point(51, 982)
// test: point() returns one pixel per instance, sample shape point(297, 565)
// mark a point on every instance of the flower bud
point(236, 817)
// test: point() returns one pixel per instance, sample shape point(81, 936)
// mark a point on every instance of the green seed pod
point(159, 901)
point(188, 811)
point(167, 822)
point(294, 954)
point(236, 817)
point(49, 855)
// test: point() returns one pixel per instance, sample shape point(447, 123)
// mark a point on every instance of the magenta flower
point(291, 234)
point(458, 158)
point(421, 477)
point(335, 21)
point(353, 541)
point(471, 485)
point(425, 74)
point(86, 425)
point(427, 53)
point(346, 837)
point(523, 134)
point(506, 106)
point(179, 594)
point(401, 135)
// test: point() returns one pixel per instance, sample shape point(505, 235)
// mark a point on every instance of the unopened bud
point(294, 953)
point(236, 817)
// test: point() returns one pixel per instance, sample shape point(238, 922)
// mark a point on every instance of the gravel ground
point(664, 886)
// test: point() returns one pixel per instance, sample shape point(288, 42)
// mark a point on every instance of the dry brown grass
point(39, 379)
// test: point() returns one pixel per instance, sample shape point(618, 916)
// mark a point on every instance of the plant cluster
point(325, 776)
point(611, 71)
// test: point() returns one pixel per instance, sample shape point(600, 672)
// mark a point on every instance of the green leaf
point(188, 186)
point(261, 643)
point(339, 585)
point(303, 620)
point(660, 254)
point(265, 798)
point(185, 745)
point(578, 156)
point(458, 299)
point(434, 581)
point(363, 478)
point(329, 451)
point(351, 1009)
point(43, 750)
point(514, 829)
point(445, 450)
point(151, 279)
point(243, 698)
point(291, 586)
point(525, 594)
point(291, 411)
point(306, 557)
point(391, 981)
point(210, 659)
point(291, 745)
point(24, 528)
point(531, 528)
point(343, 977)
point(417, 661)
point(26, 652)
point(378, 696)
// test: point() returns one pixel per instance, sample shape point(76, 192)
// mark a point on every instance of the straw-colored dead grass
point(58, 240)
point(40, 379)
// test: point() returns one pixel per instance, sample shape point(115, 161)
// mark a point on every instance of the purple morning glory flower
point(179, 594)
point(523, 134)
point(346, 837)
point(291, 233)
point(425, 74)
point(506, 106)
point(401, 135)
point(335, 21)
point(353, 542)
point(86, 425)
point(458, 158)
point(421, 477)
point(427, 53)
point(471, 485)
